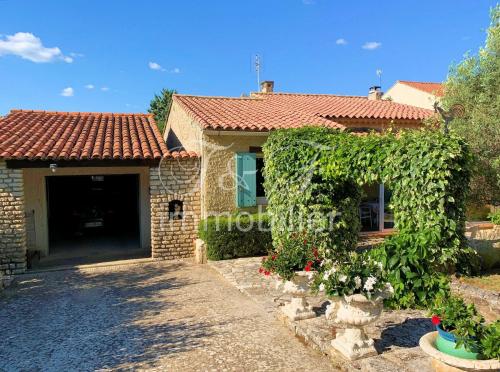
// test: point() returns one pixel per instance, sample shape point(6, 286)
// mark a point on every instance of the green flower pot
point(445, 342)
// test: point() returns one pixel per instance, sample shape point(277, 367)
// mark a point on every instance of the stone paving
point(396, 333)
point(168, 316)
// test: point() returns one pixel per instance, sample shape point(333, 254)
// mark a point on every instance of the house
point(228, 133)
point(76, 184)
point(73, 183)
point(415, 93)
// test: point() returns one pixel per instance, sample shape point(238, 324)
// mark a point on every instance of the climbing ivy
point(313, 184)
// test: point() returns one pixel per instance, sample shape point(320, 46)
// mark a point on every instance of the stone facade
point(12, 221)
point(173, 181)
point(219, 184)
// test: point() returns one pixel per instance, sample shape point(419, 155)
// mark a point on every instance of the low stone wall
point(174, 180)
point(12, 222)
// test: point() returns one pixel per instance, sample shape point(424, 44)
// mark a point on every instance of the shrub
point(495, 217)
point(297, 253)
point(236, 236)
point(412, 270)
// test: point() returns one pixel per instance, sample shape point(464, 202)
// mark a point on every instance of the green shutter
point(246, 180)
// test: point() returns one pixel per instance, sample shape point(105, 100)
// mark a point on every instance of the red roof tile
point(268, 111)
point(44, 135)
point(432, 88)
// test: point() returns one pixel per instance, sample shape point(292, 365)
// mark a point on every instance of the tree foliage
point(160, 106)
point(474, 84)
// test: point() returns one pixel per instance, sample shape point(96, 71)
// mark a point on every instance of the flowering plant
point(299, 253)
point(357, 273)
point(453, 315)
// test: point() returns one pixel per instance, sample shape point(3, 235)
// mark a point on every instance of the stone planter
point(442, 362)
point(298, 288)
point(355, 312)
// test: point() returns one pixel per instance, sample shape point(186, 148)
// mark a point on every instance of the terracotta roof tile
point(267, 111)
point(433, 88)
point(44, 135)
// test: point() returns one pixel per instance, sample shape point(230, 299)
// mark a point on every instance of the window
point(375, 213)
point(369, 208)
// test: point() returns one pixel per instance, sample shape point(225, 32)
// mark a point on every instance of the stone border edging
point(476, 294)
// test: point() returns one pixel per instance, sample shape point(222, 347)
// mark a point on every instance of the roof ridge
point(420, 82)
point(214, 97)
point(82, 113)
point(310, 94)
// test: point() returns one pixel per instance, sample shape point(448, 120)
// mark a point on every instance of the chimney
point(267, 86)
point(375, 93)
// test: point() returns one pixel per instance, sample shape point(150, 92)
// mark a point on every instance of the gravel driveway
point(165, 316)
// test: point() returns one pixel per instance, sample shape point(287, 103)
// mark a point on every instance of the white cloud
point(371, 45)
point(28, 46)
point(175, 70)
point(89, 86)
point(155, 66)
point(341, 41)
point(104, 89)
point(68, 92)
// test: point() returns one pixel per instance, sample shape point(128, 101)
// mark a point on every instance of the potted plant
point(357, 283)
point(461, 332)
point(294, 262)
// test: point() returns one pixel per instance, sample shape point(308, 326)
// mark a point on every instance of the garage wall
point(174, 180)
point(36, 201)
point(12, 221)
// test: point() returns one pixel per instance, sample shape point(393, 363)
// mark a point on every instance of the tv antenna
point(258, 65)
point(379, 74)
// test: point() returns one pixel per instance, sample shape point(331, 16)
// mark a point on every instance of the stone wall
point(12, 221)
point(174, 179)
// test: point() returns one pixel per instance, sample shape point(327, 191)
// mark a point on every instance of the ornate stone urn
point(298, 288)
point(355, 312)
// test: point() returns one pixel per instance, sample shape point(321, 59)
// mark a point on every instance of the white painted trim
point(381, 207)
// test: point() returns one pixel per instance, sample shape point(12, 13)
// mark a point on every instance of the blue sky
point(114, 55)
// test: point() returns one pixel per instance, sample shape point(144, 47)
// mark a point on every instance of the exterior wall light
point(53, 168)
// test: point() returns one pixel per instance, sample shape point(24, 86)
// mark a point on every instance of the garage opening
point(93, 219)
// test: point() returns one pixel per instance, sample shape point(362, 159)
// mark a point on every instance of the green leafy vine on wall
point(313, 184)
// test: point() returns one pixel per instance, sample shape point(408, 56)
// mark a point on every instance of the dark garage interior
point(93, 219)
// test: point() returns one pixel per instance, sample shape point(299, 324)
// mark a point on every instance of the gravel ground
point(173, 316)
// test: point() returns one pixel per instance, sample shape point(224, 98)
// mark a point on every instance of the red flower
point(261, 269)
point(308, 266)
point(267, 273)
point(315, 252)
point(435, 320)
point(305, 242)
point(273, 257)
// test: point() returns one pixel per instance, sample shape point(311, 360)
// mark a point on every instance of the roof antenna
point(379, 74)
point(257, 69)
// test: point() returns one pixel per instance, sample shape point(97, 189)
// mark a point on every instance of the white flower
point(326, 275)
point(357, 281)
point(342, 278)
point(379, 264)
point(370, 282)
point(388, 288)
point(321, 287)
